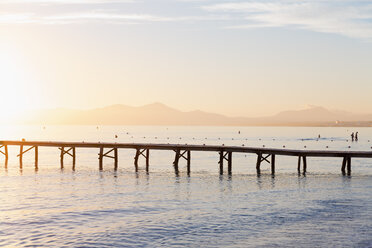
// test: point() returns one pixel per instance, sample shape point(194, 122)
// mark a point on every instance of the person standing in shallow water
point(356, 136)
point(352, 136)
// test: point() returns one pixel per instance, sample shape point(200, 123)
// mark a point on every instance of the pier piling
point(272, 164)
point(221, 162)
point(5, 153)
point(100, 158)
point(36, 157)
point(305, 164)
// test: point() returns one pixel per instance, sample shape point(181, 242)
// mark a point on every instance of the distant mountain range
point(160, 114)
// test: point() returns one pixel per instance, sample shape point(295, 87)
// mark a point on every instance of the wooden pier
point(110, 150)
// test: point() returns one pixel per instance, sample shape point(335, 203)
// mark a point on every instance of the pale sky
point(239, 58)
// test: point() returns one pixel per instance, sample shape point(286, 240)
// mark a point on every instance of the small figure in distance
point(352, 136)
point(239, 132)
point(356, 136)
point(318, 136)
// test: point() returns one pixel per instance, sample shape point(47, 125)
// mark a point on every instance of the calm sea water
point(87, 208)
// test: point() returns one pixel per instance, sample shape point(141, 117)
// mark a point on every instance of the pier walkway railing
point(110, 150)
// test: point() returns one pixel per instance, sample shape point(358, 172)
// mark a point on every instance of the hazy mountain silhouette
point(160, 114)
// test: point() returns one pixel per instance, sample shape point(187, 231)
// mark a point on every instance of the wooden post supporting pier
point(103, 154)
point(100, 158)
point(5, 153)
point(221, 162)
point(21, 152)
point(344, 161)
point(20, 156)
point(176, 160)
point(73, 158)
point(186, 154)
point(116, 159)
point(261, 158)
point(146, 154)
point(228, 157)
point(258, 164)
point(188, 162)
point(304, 164)
point(36, 157)
point(69, 151)
point(349, 165)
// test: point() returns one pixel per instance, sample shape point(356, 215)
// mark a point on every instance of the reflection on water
point(123, 208)
point(53, 207)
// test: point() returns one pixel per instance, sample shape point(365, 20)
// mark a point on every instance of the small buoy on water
point(242, 144)
point(263, 145)
point(116, 136)
point(304, 146)
point(349, 146)
point(326, 146)
point(283, 146)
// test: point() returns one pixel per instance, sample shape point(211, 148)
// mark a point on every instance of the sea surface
point(53, 207)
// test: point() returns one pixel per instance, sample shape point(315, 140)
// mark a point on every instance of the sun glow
point(13, 86)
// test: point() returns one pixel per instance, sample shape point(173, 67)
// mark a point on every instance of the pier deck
point(181, 151)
